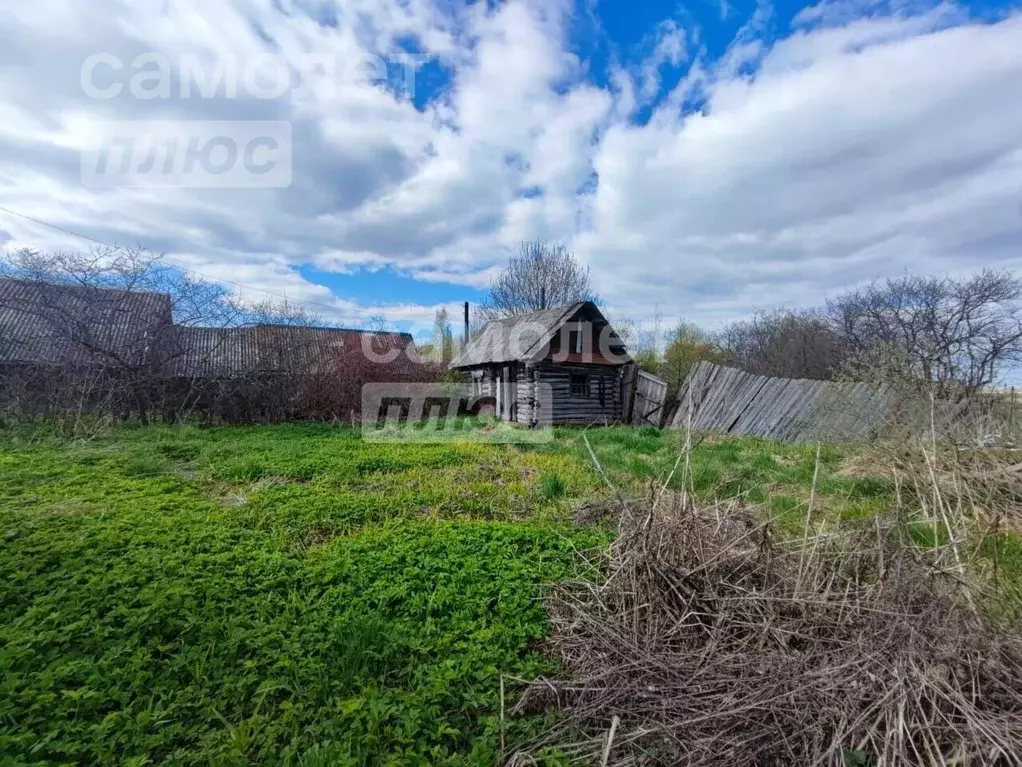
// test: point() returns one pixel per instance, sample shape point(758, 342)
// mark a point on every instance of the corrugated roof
point(223, 352)
point(286, 347)
point(61, 324)
point(210, 352)
point(514, 338)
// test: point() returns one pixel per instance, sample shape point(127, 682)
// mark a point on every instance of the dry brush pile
point(711, 643)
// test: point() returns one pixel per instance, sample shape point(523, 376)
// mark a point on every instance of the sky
point(704, 159)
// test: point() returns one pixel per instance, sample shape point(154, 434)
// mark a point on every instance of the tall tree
point(443, 337)
point(688, 344)
point(541, 276)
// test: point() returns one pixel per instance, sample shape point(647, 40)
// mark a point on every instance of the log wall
point(568, 408)
point(525, 394)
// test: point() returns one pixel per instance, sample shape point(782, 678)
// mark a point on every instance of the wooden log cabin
point(554, 366)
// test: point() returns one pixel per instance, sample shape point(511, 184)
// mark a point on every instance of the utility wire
point(304, 304)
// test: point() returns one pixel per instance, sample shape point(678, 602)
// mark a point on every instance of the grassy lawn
point(776, 476)
point(292, 594)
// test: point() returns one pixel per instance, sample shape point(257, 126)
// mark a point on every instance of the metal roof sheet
point(60, 324)
point(223, 352)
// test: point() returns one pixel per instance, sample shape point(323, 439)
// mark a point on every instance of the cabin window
point(580, 385)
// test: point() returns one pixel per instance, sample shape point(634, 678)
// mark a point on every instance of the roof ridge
point(76, 287)
point(334, 329)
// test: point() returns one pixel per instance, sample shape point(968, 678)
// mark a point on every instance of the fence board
point(650, 398)
point(718, 398)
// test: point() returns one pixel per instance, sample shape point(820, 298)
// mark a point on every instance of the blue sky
point(704, 159)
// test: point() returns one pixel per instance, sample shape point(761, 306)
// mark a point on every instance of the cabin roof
point(522, 338)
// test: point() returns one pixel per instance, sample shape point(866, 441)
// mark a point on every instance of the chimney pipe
point(466, 324)
point(542, 297)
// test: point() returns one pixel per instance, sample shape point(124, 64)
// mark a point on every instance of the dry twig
point(716, 645)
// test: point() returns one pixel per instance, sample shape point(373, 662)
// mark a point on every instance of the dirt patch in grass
point(863, 466)
point(235, 494)
point(593, 513)
point(787, 461)
point(318, 535)
point(72, 508)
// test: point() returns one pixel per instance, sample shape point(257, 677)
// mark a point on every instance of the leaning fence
point(723, 399)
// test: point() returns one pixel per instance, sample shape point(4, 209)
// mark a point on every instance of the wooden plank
point(650, 398)
point(718, 398)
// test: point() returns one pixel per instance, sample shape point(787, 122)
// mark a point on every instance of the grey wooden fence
point(650, 398)
point(724, 399)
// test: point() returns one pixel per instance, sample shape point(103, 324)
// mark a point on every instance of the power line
point(283, 296)
point(54, 226)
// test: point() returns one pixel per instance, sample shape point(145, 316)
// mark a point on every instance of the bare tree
point(541, 276)
point(119, 333)
point(645, 341)
point(784, 343)
point(93, 332)
point(955, 333)
point(378, 323)
point(281, 313)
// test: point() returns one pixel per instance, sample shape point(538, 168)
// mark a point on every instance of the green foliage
point(279, 594)
point(854, 758)
point(552, 486)
point(291, 594)
point(442, 342)
point(648, 359)
point(686, 345)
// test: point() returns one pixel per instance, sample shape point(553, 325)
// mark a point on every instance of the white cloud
point(868, 141)
point(849, 155)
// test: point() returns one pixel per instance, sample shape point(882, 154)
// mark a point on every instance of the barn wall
point(568, 408)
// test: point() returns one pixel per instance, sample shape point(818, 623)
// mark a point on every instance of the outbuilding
point(553, 366)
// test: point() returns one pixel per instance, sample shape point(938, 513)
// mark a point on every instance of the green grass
point(552, 486)
point(281, 594)
point(777, 476)
point(295, 595)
